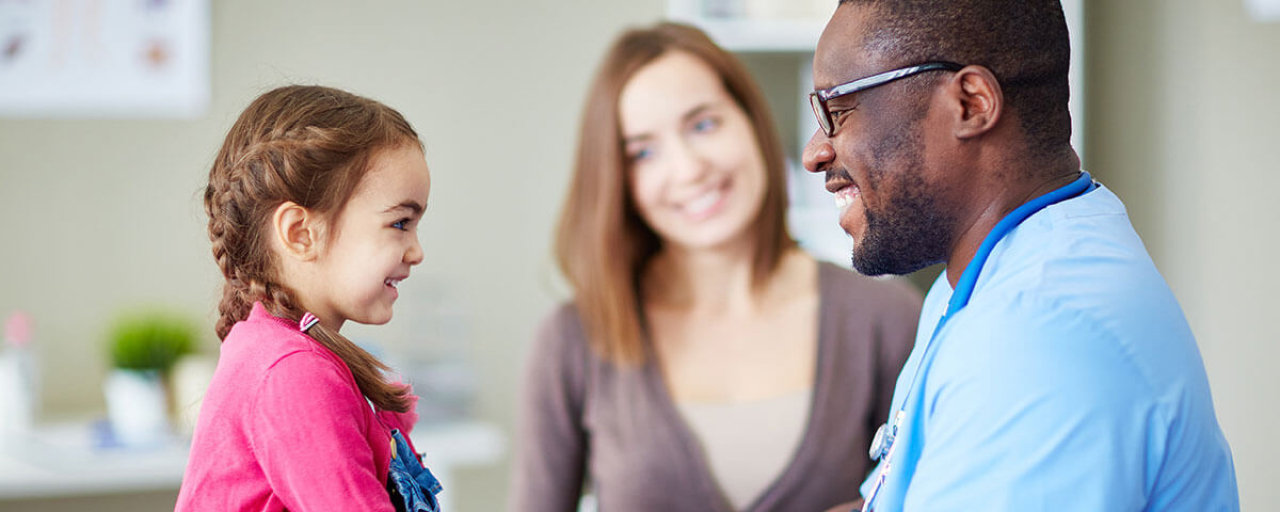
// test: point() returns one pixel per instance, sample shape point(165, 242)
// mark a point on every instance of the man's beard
point(912, 230)
point(910, 233)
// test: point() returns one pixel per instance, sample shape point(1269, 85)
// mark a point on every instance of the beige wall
point(99, 214)
point(1183, 120)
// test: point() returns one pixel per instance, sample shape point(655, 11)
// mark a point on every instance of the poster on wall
point(104, 58)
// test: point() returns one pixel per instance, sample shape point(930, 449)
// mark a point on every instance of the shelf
point(748, 35)
point(791, 26)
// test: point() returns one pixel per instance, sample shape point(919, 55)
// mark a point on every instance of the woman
point(706, 363)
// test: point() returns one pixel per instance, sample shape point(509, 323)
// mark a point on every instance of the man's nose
point(818, 152)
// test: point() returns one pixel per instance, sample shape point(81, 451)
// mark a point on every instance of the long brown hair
point(310, 145)
point(602, 244)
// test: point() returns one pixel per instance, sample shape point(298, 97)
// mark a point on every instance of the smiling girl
point(313, 204)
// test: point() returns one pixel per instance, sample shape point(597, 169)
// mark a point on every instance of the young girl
point(313, 205)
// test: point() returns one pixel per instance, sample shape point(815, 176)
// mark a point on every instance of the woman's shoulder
point(562, 323)
point(890, 307)
point(844, 286)
point(561, 330)
point(857, 310)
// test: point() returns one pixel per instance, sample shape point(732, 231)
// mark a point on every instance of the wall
point(1182, 119)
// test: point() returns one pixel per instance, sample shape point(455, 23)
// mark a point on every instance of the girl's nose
point(414, 255)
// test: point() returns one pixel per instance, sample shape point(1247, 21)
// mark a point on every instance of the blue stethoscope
point(883, 443)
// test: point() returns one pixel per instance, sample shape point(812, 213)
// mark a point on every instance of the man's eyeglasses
point(818, 99)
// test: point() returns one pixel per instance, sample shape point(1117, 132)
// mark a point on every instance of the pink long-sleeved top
point(284, 427)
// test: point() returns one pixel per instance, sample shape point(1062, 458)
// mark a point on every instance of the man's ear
point(980, 100)
point(297, 231)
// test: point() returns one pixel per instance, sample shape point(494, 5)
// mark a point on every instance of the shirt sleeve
point(309, 434)
point(551, 443)
point(1027, 411)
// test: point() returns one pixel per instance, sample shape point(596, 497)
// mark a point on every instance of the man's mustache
point(838, 173)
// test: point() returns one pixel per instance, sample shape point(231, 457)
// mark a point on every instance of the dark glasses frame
point(818, 99)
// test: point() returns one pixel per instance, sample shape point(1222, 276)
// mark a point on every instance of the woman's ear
point(296, 231)
point(980, 99)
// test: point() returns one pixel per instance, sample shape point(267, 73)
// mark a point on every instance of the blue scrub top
point(1071, 381)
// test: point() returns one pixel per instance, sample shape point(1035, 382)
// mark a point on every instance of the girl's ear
point(296, 231)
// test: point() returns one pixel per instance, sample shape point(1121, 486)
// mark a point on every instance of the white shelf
point(750, 35)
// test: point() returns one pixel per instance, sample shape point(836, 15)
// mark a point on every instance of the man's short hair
point(1023, 42)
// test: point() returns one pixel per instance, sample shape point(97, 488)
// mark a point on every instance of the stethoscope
point(882, 444)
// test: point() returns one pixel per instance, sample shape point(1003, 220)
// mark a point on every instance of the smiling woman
point(706, 363)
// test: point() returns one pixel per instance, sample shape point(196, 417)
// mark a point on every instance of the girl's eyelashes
point(402, 224)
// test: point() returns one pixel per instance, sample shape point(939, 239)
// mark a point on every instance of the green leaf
point(150, 340)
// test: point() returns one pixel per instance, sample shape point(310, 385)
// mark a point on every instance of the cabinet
point(776, 38)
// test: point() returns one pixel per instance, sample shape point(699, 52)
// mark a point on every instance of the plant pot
point(137, 407)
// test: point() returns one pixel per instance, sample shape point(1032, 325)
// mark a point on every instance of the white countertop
point(61, 459)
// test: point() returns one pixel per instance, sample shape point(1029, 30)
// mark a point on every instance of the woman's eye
point(706, 125)
point(640, 154)
point(401, 224)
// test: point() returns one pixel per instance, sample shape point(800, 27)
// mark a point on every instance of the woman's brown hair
point(310, 145)
point(602, 244)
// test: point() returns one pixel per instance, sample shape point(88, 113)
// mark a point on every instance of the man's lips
point(842, 188)
point(837, 180)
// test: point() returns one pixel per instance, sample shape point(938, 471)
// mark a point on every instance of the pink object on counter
point(17, 329)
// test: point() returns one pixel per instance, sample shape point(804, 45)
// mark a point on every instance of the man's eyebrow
point(410, 205)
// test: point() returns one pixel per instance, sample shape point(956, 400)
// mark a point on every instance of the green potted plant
point(143, 347)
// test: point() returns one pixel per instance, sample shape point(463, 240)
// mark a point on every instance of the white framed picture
point(104, 58)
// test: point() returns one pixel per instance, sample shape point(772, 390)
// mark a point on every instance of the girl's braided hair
point(310, 145)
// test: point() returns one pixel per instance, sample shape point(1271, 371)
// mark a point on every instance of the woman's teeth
point(394, 283)
point(703, 203)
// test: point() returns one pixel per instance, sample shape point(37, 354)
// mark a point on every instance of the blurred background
point(100, 205)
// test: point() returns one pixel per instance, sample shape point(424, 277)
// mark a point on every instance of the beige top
point(748, 444)
point(583, 419)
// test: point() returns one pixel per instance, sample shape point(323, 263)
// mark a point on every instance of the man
point(1064, 375)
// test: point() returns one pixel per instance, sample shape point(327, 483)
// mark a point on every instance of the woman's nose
point(687, 163)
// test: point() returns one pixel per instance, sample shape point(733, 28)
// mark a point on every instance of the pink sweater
point(284, 427)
